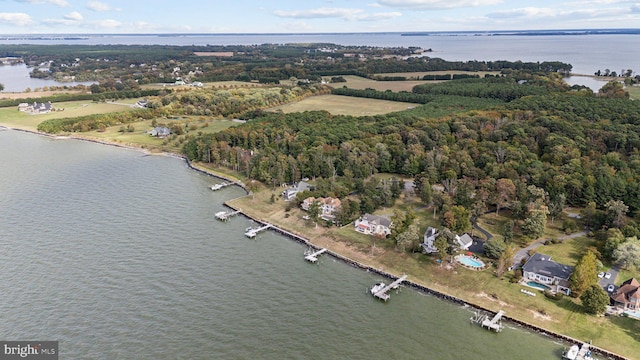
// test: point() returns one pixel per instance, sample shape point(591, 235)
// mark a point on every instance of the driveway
point(604, 282)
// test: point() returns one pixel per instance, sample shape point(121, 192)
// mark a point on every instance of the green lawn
point(357, 82)
point(344, 105)
point(634, 92)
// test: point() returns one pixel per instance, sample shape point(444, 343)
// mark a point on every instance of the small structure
point(217, 187)
point(312, 256)
point(373, 225)
point(225, 216)
point(291, 192)
point(627, 297)
point(36, 107)
point(251, 232)
point(160, 131)
point(542, 269)
point(430, 236)
point(576, 352)
point(380, 290)
point(328, 206)
point(141, 103)
point(484, 321)
point(464, 242)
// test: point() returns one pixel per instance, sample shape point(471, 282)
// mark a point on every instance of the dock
point(226, 215)
point(381, 293)
point(217, 187)
point(251, 232)
point(494, 323)
point(313, 256)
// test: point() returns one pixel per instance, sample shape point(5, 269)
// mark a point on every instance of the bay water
point(116, 254)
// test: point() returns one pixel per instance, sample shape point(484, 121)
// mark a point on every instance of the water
point(117, 255)
point(537, 285)
point(469, 261)
point(15, 78)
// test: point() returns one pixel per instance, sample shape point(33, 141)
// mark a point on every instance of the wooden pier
point(220, 186)
point(226, 215)
point(251, 232)
point(382, 293)
point(494, 323)
point(313, 256)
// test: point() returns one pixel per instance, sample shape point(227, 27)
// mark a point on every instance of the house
point(540, 268)
point(36, 107)
point(430, 236)
point(373, 225)
point(142, 103)
point(328, 206)
point(160, 132)
point(627, 297)
point(291, 192)
point(464, 242)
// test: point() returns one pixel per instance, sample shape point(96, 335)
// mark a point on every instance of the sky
point(309, 16)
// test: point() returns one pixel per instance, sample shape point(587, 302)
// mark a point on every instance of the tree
point(314, 211)
point(505, 190)
point(613, 239)
point(584, 274)
point(462, 218)
point(1, 87)
point(408, 239)
point(426, 192)
point(594, 299)
point(556, 205)
point(533, 226)
point(442, 245)
point(589, 214)
point(616, 211)
point(628, 253)
point(494, 248)
point(507, 231)
point(505, 260)
point(613, 89)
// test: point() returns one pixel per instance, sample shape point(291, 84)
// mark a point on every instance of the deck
point(251, 233)
point(226, 215)
point(313, 257)
point(382, 294)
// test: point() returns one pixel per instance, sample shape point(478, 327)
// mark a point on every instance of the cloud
point(74, 16)
point(98, 6)
point(635, 8)
point(61, 3)
point(340, 13)
point(435, 4)
point(522, 12)
point(539, 13)
point(18, 19)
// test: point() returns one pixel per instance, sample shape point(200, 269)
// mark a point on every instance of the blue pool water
point(635, 314)
point(469, 261)
point(538, 285)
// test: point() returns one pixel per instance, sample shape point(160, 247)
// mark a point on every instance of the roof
point(543, 265)
point(380, 220)
point(628, 292)
point(465, 240)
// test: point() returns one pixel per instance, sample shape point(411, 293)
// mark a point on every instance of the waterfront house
point(328, 206)
point(291, 192)
point(373, 225)
point(429, 238)
point(160, 132)
point(627, 297)
point(541, 269)
point(36, 107)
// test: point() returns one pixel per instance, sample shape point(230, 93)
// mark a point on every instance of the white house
point(373, 225)
point(429, 238)
point(328, 206)
point(291, 192)
point(540, 268)
point(464, 242)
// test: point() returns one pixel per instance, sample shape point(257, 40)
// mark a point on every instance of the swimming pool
point(470, 261)
point(633, 314)
point(537, 285)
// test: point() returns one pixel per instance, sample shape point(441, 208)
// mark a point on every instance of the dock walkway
point(226, 215)
point(251, 233)
point(313, 257)
point(495, 323)
point(382, 294)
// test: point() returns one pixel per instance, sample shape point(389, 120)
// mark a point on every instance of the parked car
point(607, 276)
point(610, 288)
point(600, 274)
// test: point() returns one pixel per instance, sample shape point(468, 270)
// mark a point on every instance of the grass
point(482, 288)
point(634, 92)
point(11, 117)
point(357, 82)
point(344, 105)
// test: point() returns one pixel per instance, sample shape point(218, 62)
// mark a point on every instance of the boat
point(377, 287)
point(576, 352)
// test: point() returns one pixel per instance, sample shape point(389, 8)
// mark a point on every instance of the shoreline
point(301, 239)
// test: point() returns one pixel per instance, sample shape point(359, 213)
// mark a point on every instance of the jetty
point(494, 323)
point(217, 187)
point(578, 352)
point(226, 215)
point(251, 232)
point(380, 290)
point(313, 256)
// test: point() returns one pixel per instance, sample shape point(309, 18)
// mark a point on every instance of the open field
point(418, 75)
point(482, 288)
point(11, 117)
point(33, 94)
point(344, 105)
point(357, 82)
point(634, 92)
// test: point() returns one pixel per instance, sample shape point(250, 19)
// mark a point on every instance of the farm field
point(418, 75)
point(344, 105)
point(357, 82)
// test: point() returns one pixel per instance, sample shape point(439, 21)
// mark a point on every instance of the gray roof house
point(160, 132)
point(429, 238)
point(291, 192)
point(465, 241)
point(540, 268)
point(373, 225)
